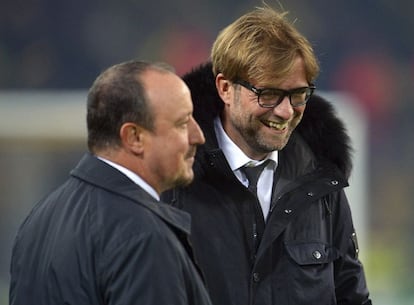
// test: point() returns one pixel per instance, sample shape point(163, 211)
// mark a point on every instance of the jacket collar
point(322, 131)
point(94, 171)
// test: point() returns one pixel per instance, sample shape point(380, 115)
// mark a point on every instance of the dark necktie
point(253, 173)
point(256, 230)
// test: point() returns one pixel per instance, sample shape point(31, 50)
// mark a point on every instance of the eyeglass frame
point(288, 93)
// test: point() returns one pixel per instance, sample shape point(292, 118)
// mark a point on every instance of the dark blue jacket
point(308, 250)
point(101, 239)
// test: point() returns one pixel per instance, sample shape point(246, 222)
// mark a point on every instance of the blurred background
point(51, 51)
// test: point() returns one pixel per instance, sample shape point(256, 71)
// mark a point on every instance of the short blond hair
point(260, 45)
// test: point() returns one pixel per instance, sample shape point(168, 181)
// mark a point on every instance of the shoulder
point(325, 134)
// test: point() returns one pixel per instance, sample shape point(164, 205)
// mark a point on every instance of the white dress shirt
point(238, 159)
point(134, 177)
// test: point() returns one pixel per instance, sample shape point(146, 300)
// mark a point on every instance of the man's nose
point(284, 109)
point(195, 134)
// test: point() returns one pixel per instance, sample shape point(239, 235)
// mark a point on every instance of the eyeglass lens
point(272, 97)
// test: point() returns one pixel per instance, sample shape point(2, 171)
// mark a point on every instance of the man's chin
point(185, 180)
point(277, 144)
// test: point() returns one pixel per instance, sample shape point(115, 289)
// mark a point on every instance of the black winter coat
point(308, 252)
point(101, 239)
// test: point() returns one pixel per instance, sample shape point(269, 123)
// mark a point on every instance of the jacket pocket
point(310, 272)
point(310, 253)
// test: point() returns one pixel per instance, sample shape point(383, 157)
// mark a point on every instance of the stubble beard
point(258, 141)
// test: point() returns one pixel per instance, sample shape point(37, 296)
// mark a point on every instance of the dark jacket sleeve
point(144, 269)
point(350, 283)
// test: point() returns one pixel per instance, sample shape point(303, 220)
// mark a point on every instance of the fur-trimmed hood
point(320, 127)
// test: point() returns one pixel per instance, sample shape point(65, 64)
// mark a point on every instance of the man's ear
point(132, 137)
point(224, 88)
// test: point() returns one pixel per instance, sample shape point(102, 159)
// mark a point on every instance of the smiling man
point(271, 224)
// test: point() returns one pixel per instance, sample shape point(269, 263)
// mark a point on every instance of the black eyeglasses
point(271, 97)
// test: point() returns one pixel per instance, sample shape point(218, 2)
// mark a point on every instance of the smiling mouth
point(276, 126)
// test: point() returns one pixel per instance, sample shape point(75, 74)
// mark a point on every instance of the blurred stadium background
point(51, 51)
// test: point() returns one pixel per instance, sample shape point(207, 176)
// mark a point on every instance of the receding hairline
point(140, 67)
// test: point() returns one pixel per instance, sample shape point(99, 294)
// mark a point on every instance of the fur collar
point(320, 127)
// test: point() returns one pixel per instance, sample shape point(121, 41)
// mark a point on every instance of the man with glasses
point(270, 220)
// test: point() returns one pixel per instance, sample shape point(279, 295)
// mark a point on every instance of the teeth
point(277, 126)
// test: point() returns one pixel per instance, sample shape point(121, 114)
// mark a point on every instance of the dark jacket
point(101, 239)
point(308, 251)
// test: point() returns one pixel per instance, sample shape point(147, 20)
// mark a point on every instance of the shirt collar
point(234, 155)
point(134, 177)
